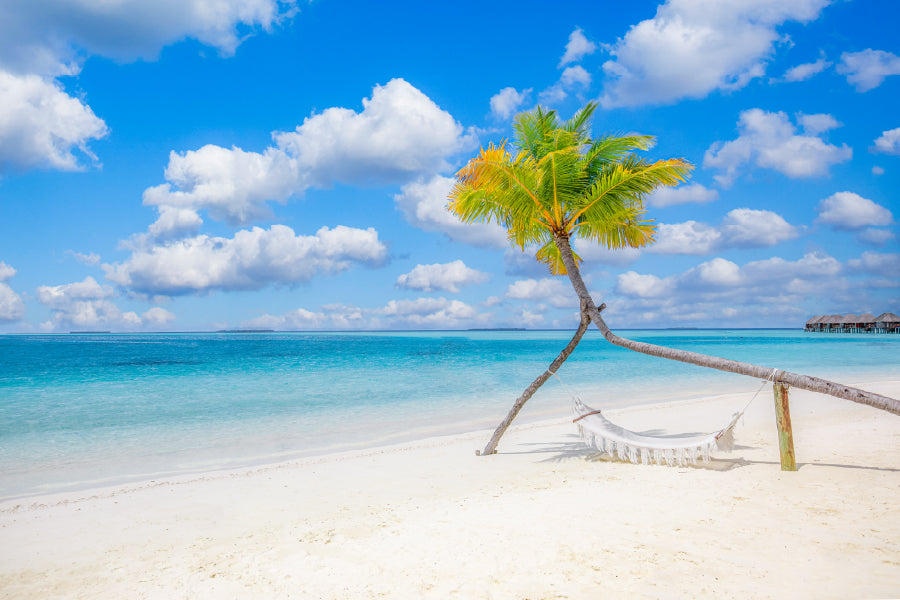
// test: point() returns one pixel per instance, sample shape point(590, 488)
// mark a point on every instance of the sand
point(544, 518)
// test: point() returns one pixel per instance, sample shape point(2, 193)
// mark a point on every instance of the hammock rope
point(608, 438)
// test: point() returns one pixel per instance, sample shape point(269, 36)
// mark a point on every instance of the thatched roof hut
point(866, 319)
point(887, 318)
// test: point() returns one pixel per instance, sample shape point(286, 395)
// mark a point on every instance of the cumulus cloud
point(868, 69)
point(888, 142)
point(816, 124)
point(84, 305)
point(90, 259)
point(421, 313)
point(507, 101)
point(42, 126)
point(693, 47)
point(446, 277)
point(399, 134)
point(875, 236)
point(6, 272)
point(770, 140)
point(806, 70)
point(882, 264)
point(157, 317)
point(876, 170)
point(693, 193)
point(49, 37)
point(632, 283)
point(575, 75)
point(592, 253)
point(577, 48)
point(758, 293)
point(849, 211)
point(552, 290)
point(740, 228)
point(424, 205)
point(251, 260)
point(11, 306)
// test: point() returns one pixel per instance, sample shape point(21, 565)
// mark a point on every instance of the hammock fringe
point(608, 438)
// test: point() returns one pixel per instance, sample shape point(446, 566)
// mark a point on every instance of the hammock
point(607, 437)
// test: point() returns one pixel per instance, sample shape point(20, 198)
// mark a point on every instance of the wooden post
point(785, 434)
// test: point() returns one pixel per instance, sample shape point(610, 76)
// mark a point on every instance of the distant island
point(245, 331)
point(497, 329)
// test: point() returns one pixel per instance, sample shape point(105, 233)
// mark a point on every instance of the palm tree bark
point(491, 447)
point(804, 382)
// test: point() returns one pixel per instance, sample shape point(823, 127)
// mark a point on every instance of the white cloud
point(446, 277)
point(748, 228)
point(6, 272)
point(84, 305)
point(507, 101)
point(806, 70)
point(876, 170)
point(48, 37)
point(740, 228)
point(719, 271)
point(554, 291)
point(769, 140)
point(816, 124)
point(11, 306)
point(577, 48)
point(421, 313)
point(689, 237)
point(399, 135)
point(42, 126)
point(760, 293)
point(888, 142)
point(592, 253)
point(693, 47)
point(90, 259)
point(575, 75)
point(882, 264)
point(632, 283)
point(867, 69)
point(251, 260)
point(554, 94)
point(875, 236)
point(232, 185)
point(693, 193)
point(157, 317)
point(424, 205)
point(848, 211)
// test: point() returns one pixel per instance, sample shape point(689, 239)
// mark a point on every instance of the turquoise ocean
point(89, 410)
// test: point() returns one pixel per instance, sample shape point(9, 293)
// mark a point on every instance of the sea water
point(87, 410)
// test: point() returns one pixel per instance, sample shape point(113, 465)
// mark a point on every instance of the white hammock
point(607, 437)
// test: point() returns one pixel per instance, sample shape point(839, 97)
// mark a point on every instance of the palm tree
point(561, 185)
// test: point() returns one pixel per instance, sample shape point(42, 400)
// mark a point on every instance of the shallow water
point(79, 411)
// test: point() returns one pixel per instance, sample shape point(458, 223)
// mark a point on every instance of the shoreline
point(543, 518)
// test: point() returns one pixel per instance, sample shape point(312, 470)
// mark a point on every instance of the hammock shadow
point(745, 463)
point(577, 449)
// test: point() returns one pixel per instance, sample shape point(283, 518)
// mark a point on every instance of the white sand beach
point(544, 518)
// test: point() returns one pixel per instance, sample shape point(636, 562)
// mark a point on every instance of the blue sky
point(262, 164)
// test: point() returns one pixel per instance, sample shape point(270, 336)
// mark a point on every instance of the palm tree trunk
point(491, 447)
point(804, 382)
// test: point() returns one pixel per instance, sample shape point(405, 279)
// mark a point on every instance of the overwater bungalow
point(887, 323)
point(850, 323)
